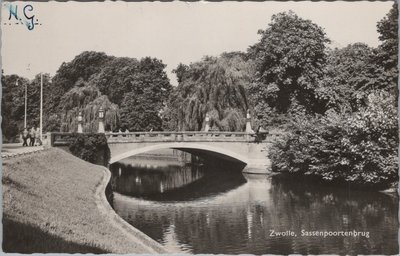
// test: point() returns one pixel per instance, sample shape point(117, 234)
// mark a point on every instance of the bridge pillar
point(258, 159)
point(248, 122)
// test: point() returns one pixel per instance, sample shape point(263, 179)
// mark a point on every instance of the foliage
point(8, 124)
point(289, 60)
point(94, 79)
point(75, 73)
point(86, 100)
point(388, 30)
point(359, 147)
point(350, 75)
point(33, 110)
point(123, 75)
point(13, 103)
point(90, 80)
point(90, 147)
point(149, 89)
point(71, 90)
point(356, 137)
point(51, 123)
point(116, 78)
point(138, 114)
point(216, 86)
point(90, 115)
point(387, 52)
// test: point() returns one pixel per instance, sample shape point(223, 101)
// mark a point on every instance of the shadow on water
point(199, 209)
point(174, 182)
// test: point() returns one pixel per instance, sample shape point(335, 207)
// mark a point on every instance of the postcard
point(200, 127)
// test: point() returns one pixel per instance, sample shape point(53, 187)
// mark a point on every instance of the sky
point(176, 32)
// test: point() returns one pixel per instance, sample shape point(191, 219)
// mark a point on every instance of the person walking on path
point(32, 134)
point(37, 139)
point(25, 136)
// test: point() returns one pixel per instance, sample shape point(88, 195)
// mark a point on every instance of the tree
point(93, 79)
point(75, 73)
point(147, 91)
point(289, 60)
point(139, 114)
point(216, 86)
point(116, 78)
point(13, 105)
point(181, 72)
point(359, 147)
point(33, 109)
point(124, 75)
point(350, 75)
point(8, 126)
point(387, 52)
point(388, 30)
point(87, 100)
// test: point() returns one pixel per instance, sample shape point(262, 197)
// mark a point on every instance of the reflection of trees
point(239, 220)
point(309, 206)
point(142, 181)
point(213, 182)
point(173, 183)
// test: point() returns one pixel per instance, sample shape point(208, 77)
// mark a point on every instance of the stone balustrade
point(179, 137)
point(63, 138)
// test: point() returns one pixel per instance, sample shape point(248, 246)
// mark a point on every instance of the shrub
point(90, 147)
point(356, 147)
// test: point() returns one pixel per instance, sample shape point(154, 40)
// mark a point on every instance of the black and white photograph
point(258, 128)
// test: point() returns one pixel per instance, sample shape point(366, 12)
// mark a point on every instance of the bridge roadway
point(237, 147)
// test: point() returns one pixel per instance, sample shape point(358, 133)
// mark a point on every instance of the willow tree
point(74, 73)
point(87, 100)
point(94, 79)
point(216, 86)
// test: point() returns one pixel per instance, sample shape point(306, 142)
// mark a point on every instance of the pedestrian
point(32, 134)
point(25, 136)
point(37, 135)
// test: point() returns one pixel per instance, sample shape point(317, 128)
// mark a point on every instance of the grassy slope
point(49, 206)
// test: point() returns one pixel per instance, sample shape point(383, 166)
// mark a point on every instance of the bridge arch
point(180, 146)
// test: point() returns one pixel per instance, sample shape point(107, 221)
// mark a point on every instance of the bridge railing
point(58, 138)
point(64, 138)
point(178, 136)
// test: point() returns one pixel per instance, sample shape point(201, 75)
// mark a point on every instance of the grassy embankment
point(51, 204)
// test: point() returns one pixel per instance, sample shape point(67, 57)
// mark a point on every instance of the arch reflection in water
point(172, 182)
point(222, 211)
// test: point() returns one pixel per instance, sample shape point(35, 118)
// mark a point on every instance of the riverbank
point(55, 202)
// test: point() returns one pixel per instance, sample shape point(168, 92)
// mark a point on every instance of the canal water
point(201, 209)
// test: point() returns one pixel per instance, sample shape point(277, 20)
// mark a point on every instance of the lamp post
point(80, 130)
point(248, 122)
point(101, 118)
point(207, 127)
point(41, 107)
point(26, 98)
point(26, 101)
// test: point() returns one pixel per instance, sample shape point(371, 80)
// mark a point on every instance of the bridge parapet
point(180, 137)
point(63, 138)
point(232, 146)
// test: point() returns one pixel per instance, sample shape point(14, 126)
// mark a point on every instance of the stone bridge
point(241, 148)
